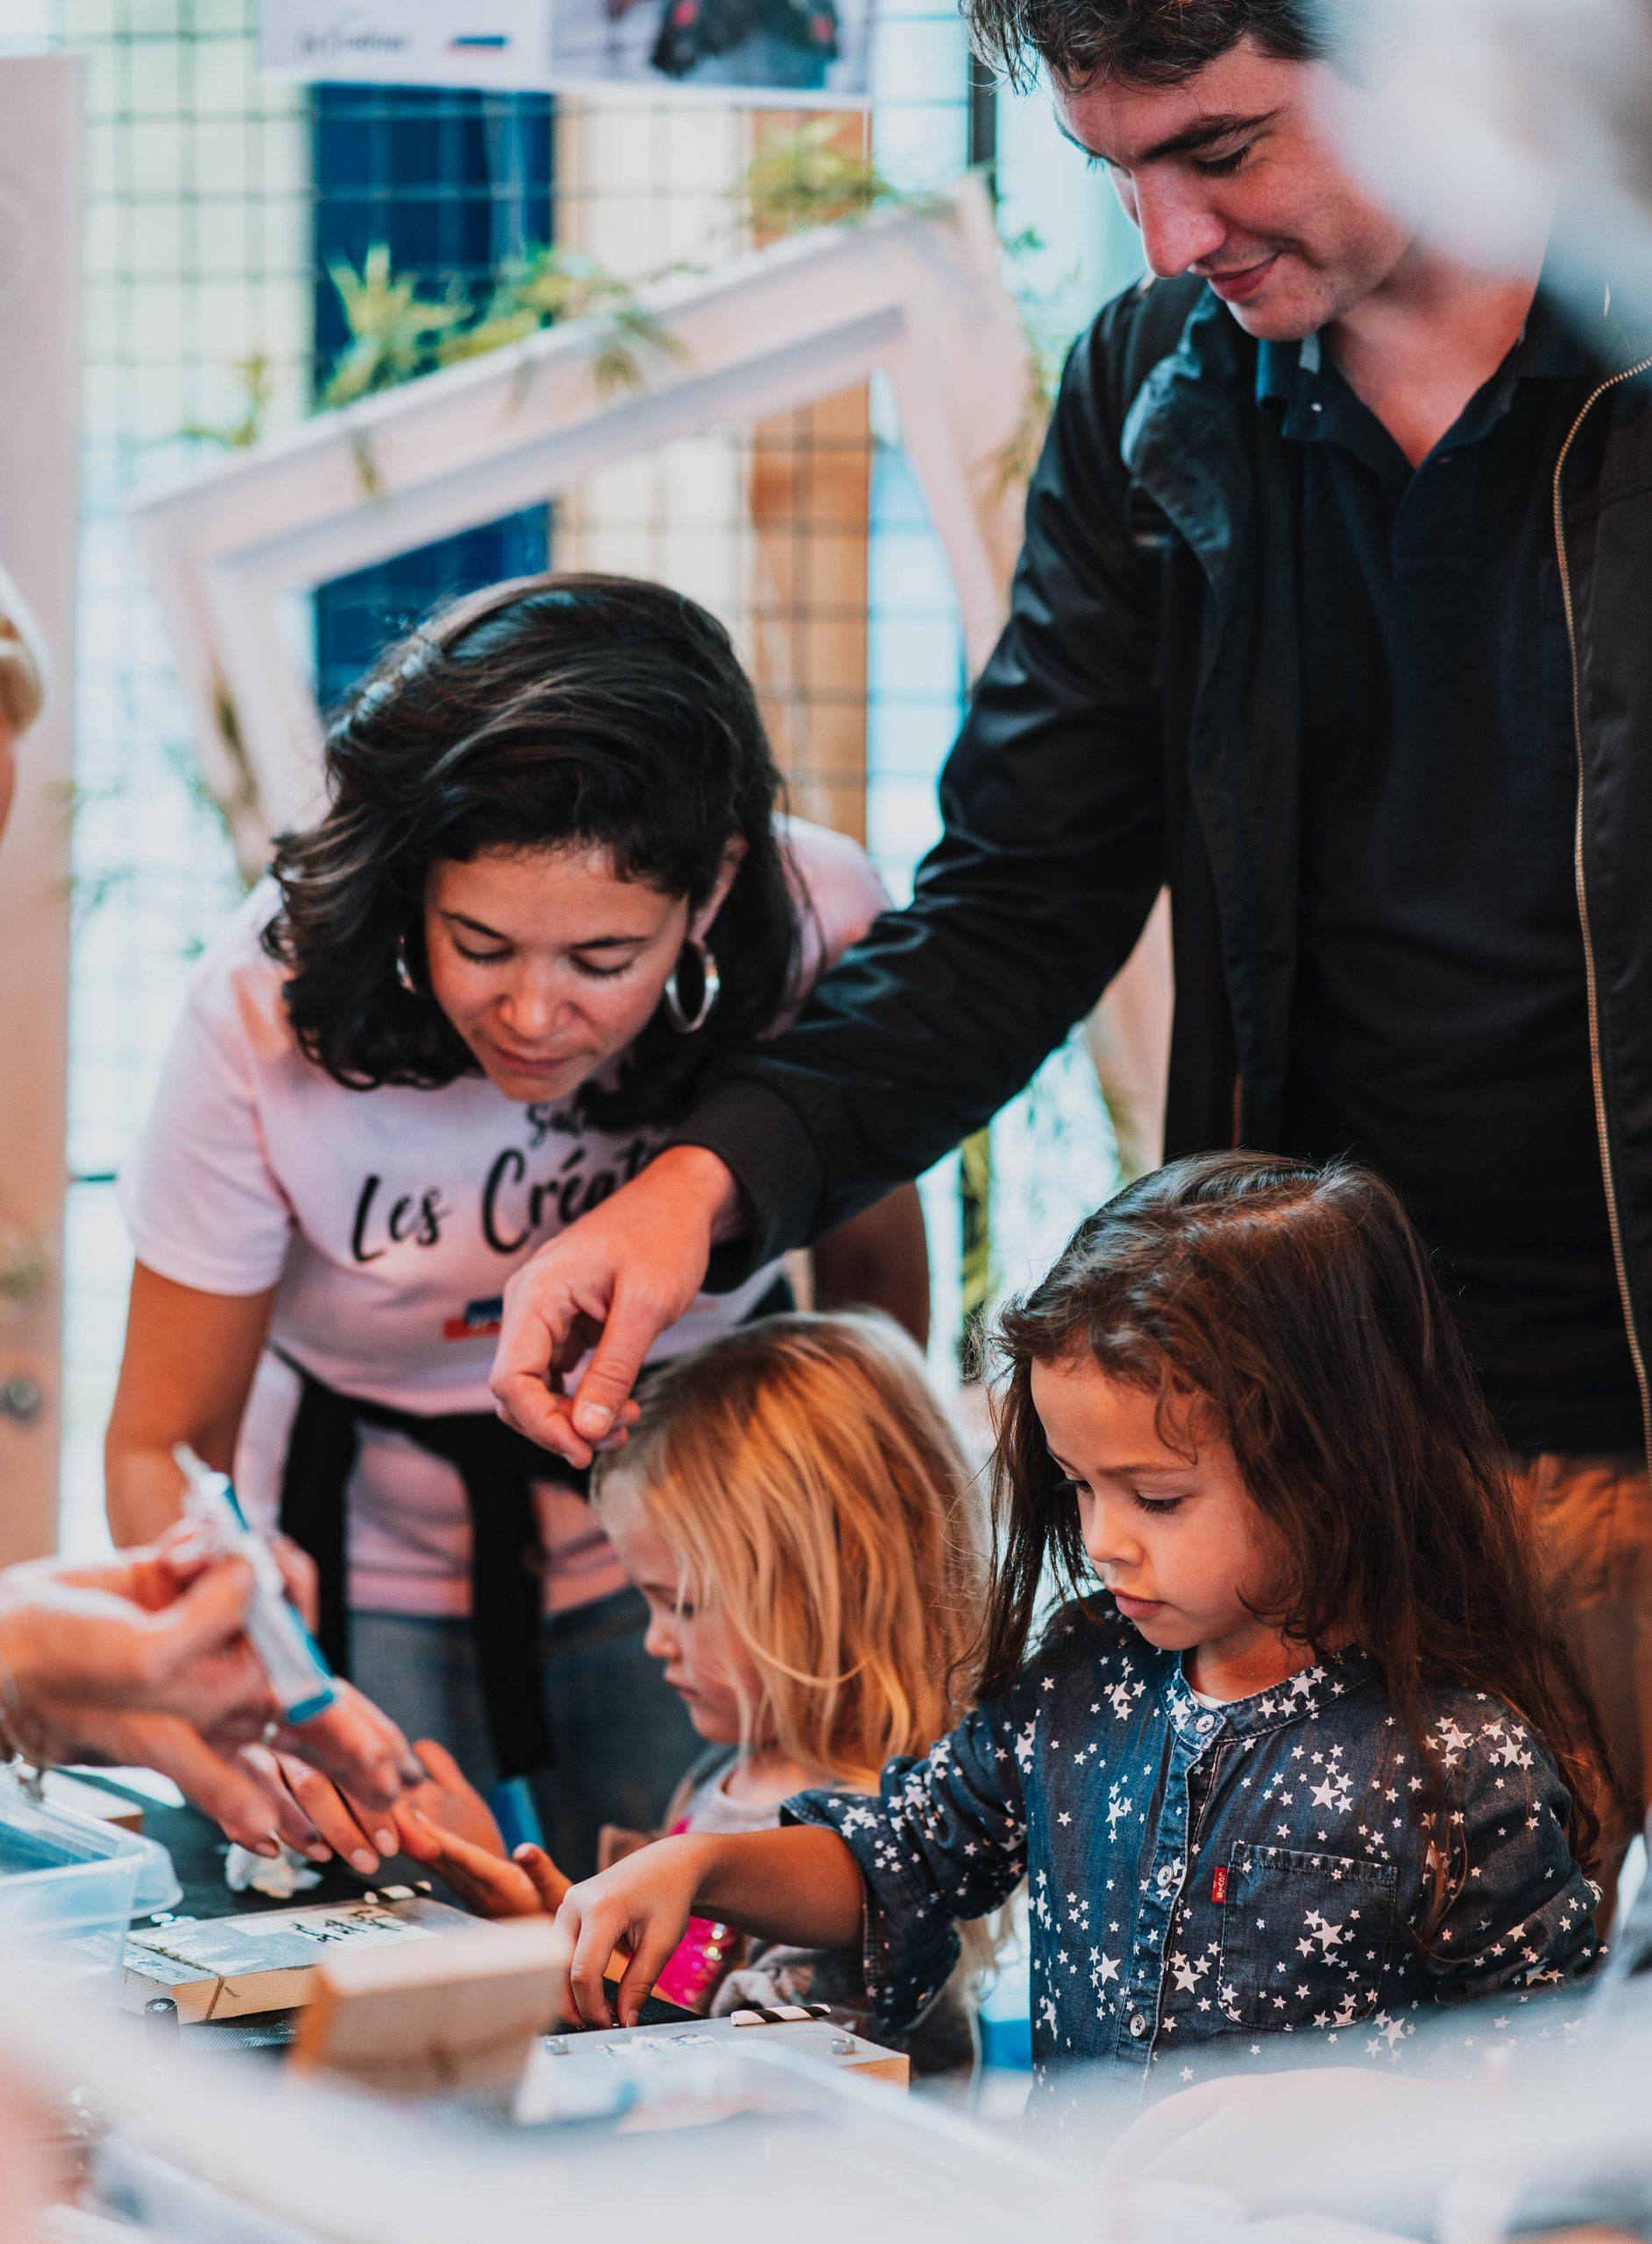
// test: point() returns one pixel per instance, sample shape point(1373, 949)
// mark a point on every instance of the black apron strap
point(498, 1468)
point(508, 1584)
point(321, 1454)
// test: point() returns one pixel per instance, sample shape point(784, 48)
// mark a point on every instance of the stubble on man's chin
point(1284, 315)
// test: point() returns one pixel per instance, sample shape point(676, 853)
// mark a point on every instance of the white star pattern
point(1271, 1877)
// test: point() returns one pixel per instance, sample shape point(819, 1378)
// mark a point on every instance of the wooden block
point(59, 1789)
point(218, 1968)
point(457, 2014)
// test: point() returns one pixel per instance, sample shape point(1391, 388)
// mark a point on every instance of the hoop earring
point(711, 983)
point(404, 972)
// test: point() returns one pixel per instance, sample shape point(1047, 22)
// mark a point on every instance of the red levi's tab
point(1219, 1887)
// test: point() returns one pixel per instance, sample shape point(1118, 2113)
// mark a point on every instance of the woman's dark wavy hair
point(553, 711)
point(1296, 1305)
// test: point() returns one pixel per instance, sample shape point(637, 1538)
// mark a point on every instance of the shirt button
point(1137, 2027)
point(1207, 1723)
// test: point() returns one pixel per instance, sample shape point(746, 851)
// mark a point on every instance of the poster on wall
point(791, 53)
point(490, 44)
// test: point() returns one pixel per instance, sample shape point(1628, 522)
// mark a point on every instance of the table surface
point(197, 1848)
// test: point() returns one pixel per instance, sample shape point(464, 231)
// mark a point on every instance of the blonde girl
point(796, 1511)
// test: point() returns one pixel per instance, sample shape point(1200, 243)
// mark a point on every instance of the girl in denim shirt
point(1313, 1762)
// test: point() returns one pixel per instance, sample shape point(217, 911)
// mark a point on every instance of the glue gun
point(299, 1676)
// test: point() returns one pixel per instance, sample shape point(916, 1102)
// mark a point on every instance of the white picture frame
point(916, 296)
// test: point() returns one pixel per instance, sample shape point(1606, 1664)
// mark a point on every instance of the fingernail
point(270, 1848)
point(320, 1852)
point(360, 1859)
point(592, 1420)
point(387, 1842)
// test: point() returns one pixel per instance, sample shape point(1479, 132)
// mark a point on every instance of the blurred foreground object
point(201, 2141)
point(1481, 120)
point(458, 2015)
point(23, 671)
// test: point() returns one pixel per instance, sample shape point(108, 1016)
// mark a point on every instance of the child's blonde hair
point(805, 1479)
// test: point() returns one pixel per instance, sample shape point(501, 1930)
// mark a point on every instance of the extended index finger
point(533, 1332)
point(634, 1324)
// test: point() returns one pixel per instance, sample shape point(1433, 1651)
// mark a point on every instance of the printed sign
point(792, 54)
point(486, 44)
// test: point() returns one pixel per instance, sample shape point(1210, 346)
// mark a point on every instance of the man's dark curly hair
point(1143, 42)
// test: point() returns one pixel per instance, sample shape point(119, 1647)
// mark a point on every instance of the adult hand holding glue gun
point(329, 1762)
point(144, 1659)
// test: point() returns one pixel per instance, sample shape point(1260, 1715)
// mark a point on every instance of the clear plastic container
point(70, 1886)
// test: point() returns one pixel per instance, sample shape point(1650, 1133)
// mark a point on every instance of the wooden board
point(221, 1967)
point(450, 2016)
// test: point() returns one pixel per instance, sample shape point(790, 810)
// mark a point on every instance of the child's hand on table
point(446, 1825)
point(640, 1907)
point(527, 1884)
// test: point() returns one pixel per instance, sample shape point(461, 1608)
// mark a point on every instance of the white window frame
point(915, 296)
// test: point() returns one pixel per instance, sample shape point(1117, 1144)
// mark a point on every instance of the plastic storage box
point(70, 1886)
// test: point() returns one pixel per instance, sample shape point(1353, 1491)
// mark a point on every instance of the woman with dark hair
point(550, 894)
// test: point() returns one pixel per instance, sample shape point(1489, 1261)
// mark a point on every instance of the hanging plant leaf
point(392, 328)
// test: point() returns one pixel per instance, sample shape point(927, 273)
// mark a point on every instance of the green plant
point(978, 1280)
point(1046, 352)
point(392, 328)
point(807, 177)
point(28, 1265)
point(254, 377)
point(551, 286)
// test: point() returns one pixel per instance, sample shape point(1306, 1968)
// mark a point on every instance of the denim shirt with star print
point(1204, 1879)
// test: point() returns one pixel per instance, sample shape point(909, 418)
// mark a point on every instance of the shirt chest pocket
point(1305, 1938)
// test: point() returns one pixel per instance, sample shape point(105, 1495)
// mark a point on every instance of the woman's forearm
point(188, 1366)
point(142, 1490)
point(798, 1884)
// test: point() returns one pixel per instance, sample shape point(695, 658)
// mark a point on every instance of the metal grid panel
point(211, 194)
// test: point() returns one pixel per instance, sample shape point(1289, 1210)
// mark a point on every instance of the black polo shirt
point(1440, 1028)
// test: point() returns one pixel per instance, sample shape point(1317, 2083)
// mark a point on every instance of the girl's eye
point(482, 957)
point(1222, 166)
point(593, 973)
point(1157, 1504)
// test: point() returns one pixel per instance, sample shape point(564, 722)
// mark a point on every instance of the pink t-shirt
point(388, 1222)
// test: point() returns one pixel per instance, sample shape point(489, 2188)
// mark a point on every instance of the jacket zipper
point(1580, 877)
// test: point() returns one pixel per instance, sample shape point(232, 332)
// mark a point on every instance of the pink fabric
point(701, 1959)
point(388, 1222)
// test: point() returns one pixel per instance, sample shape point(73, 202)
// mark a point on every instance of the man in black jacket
point(1332, 618)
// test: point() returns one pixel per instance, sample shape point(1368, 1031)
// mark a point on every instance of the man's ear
point(733, 858)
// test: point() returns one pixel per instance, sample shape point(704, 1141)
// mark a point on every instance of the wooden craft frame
point(915, 296)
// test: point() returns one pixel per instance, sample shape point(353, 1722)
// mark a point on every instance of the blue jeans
point(623, 1739)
